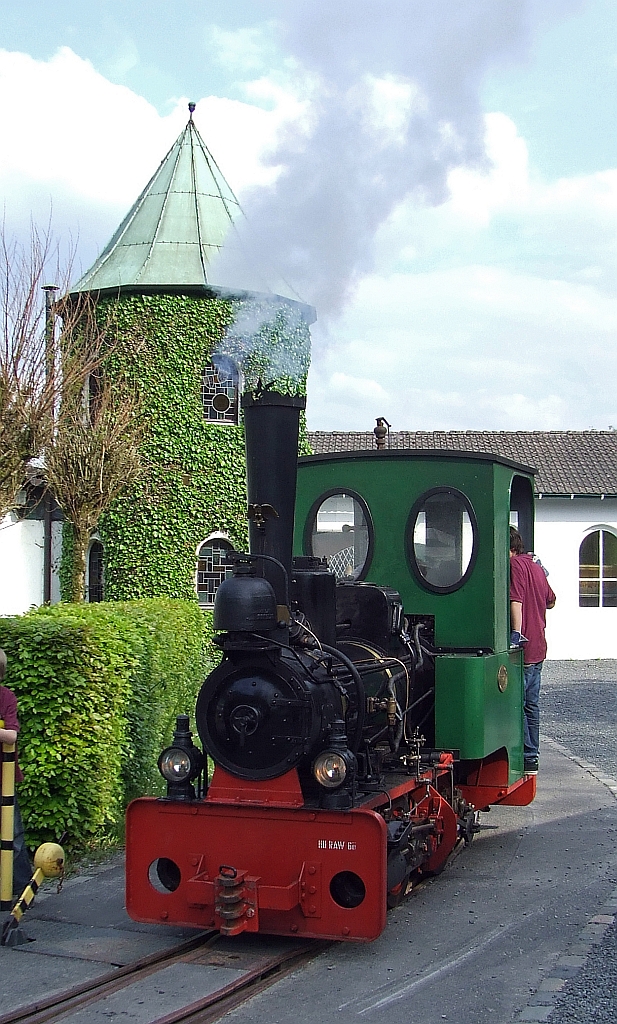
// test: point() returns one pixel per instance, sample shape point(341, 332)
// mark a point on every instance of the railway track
point(256, 972)
point(258, 969)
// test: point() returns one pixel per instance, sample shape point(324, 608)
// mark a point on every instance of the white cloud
point(476, 196)
point(388, 103)
point(75, 140)
point(515, 411)
point(354, 389)
point(62, 122)
point(497, 309)
point(348, 398)
point(506, 216)
point(472, 347)
point(244, 51)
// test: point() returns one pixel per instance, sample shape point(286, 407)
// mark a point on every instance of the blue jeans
point(533, 675)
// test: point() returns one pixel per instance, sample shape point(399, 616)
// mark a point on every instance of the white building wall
point(21, 564)
point(561, 525)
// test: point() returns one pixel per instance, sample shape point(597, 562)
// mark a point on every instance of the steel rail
point(79, 995)
point(211, 1007)
point(215, 1005)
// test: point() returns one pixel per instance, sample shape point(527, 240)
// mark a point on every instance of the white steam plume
point(268, 341)
point(394, 87)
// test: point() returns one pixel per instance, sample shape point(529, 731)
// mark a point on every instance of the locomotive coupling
point(235, 895)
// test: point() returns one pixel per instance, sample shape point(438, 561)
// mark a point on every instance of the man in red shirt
point(530, 596)
point(22, 869)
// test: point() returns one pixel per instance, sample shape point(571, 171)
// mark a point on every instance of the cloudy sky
point(438, 178)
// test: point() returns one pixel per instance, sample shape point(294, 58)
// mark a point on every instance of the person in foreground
point(22, 868)
point(530, 596)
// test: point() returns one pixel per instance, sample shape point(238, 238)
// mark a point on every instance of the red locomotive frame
point(252, 857)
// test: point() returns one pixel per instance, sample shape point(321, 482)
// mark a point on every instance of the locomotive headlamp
point(181, 763)
point(175, 765)
point(334, 769)
point(330, 769)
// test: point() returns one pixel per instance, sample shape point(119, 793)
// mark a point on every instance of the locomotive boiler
point(367, 703)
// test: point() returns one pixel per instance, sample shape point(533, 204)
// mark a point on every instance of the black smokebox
point(271, 423)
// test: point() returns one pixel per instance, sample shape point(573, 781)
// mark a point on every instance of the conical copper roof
point(174, 230)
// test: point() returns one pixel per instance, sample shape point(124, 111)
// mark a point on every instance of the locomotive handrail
point(426, 694)
point(285, 647)
point(417, 646)
point(479, 652)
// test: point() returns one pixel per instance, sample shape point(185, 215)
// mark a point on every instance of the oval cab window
point(339, 529)
point(442, 539)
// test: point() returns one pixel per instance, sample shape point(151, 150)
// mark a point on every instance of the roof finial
point(381, 431)
point(191, 109)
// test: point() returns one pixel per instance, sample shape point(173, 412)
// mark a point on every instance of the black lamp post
point(50, 371)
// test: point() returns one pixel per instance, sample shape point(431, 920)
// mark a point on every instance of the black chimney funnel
point(271, 423)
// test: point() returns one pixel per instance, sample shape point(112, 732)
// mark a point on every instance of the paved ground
point(579, 709)
point(502, 935)
point(524, 894)
point(475, 944)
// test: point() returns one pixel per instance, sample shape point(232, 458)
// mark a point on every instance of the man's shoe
point(531, 766)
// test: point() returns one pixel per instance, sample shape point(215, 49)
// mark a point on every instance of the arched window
point(597, 570)
point(219, 391)
point(211, 570)
point(95, 587)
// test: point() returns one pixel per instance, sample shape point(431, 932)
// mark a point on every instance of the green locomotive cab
point(434, 525)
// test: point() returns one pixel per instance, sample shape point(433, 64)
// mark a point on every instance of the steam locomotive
point(367, 704)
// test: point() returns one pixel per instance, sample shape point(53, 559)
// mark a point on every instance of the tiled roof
point(567, 461)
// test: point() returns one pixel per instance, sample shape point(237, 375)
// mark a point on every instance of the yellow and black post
point(48, 863)
point(7, 823)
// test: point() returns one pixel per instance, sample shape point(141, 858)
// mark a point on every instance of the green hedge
point(98, 688)
point(176, 639)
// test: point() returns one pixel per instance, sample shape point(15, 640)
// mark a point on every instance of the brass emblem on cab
point(502, 678)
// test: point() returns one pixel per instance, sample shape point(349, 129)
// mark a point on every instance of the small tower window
point(211, 569)
point(95, 572)
point(219, 391)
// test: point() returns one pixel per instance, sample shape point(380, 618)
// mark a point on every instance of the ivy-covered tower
point(189, 345)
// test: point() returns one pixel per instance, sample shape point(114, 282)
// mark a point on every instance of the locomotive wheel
point(434, 872)
point(398, 893)
point(468, 827)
